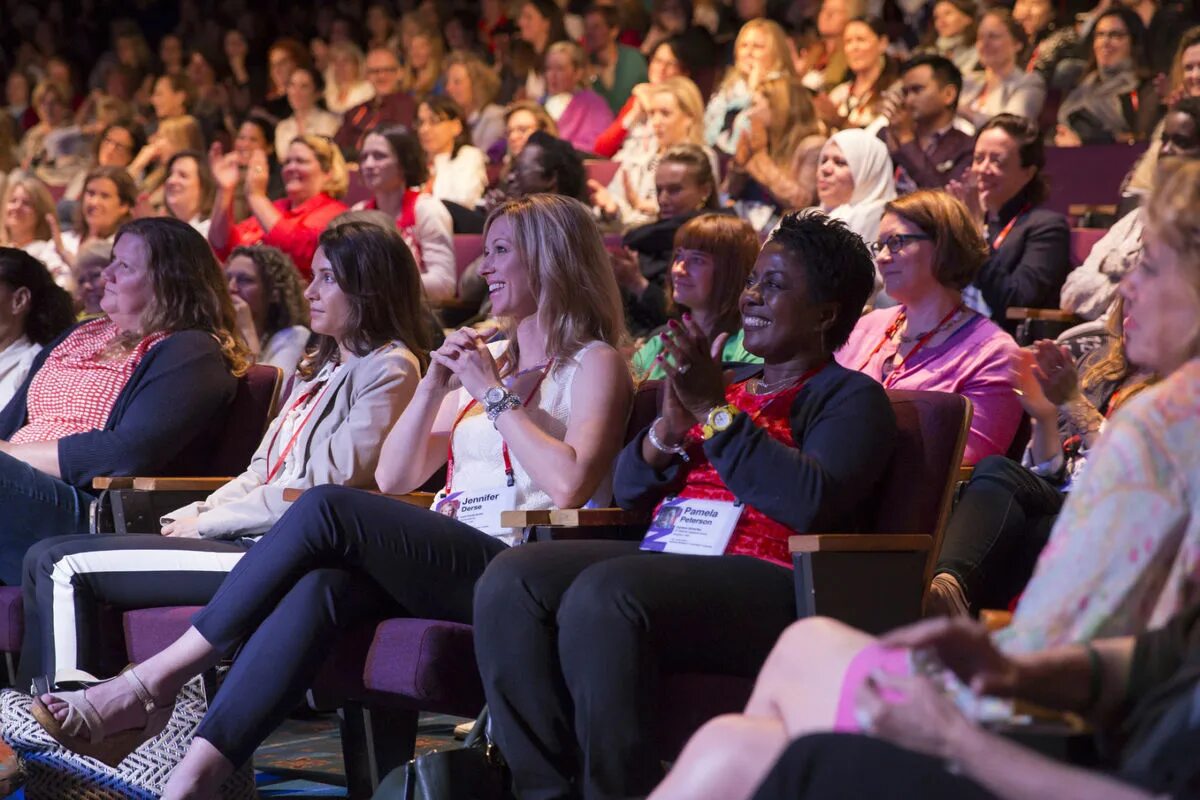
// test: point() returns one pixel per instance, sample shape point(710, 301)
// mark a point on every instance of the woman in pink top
point(928, 251)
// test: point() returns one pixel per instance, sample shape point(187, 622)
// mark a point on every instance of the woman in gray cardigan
point(366, 304)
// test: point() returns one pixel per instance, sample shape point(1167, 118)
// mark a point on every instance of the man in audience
point(926, 148)
point(390, 106)
point(617, 68)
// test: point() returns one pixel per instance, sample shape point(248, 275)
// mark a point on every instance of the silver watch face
point(722, 419)
point(494, 395)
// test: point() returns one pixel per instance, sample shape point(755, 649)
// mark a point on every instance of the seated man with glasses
point(391, 105)
point(929, 249)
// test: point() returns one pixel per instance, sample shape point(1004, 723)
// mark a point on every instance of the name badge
point(480, 508)
point(694, 527)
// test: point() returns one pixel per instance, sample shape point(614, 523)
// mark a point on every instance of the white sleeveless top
point(476, 444)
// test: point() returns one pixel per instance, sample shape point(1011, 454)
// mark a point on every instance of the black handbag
point(475, 771)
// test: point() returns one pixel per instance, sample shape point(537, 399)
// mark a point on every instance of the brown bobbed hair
point(959, 249)
point(570, 274)
point(733, 244)
point(375, 270)
point(190, 292)
point(127, 194)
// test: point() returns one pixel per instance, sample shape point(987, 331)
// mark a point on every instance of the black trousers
point(68, 580)
point(837, 766)
point(997, 531)
point(574, 638)
point(336, 558)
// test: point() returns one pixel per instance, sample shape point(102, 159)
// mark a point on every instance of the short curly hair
point(838, 267)
point(282, 286)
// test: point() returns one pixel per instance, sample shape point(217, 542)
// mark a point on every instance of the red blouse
point(296, 233)
point(74, 392)
point(756, 534)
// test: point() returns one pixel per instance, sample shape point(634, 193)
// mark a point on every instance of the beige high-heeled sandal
point(82, 731)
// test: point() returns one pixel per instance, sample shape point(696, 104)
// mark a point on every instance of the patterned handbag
point(52, 772)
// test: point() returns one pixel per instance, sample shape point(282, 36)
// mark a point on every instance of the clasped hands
point(465, 360)
point(1044, 377)
point(695, 382)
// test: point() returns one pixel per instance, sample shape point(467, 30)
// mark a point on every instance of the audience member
point(268, 300)
point(457, 168)
point(391, 105)
point(927, 148)
point(28, 210)
point(1053, 46)
point(854, 181)
point(88, 274)
point(307, 119)
point(422, 72)
point(109, 196)
point(34, 311)
point(53, 148)
point(284, 56)
point(473, 85)
point(172, 97)
point(929, 250)
point(246, 80)
point(858, 101)
point(760, 53)
point(631, 123)
point(580, 113)
point(617, 67)
point(149, 168)
point(190, 189)
point(540, 23)
point(314, 174)
point(953, 36)
point(828, 68)
point(115, 145)
point(126, 394)
point(346, 85)
point(1003, 88)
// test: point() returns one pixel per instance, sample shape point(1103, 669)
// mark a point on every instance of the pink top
point(973, 362)
point(74, 392)
point(584, 119)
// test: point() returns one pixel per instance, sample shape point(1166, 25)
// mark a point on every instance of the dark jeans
point(574, 638)
point(837, 766)
point(34, 506)
point(337, 557)
point(997, 531)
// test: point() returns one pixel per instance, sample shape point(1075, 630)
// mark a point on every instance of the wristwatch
point(497, 400)
point(719, 419)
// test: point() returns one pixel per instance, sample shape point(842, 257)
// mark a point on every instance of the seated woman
point(855, 179)
point(1114, 102)
point(473, 85)
point(559, 392)
point(88, 273)
point(304, 88)
point(268, 298)
point(371, 348)
point(256, 133)
point(760, 53)
point(28, 207)
point(686, 188)
point(580, 113)
point(114, 146)
point(393, 168)
point(1003, 87)
point(1003, 517)
point(34, 311)
point(53, 149)
point(1030, 246)
point(189, 190)
point(149, 167)
point(857, 102)
point(775, 167)
point(127, 394)
point(571, 637)
point(955, 24)
point(422, 73)
point(457, 169)
point(713, 256)
point(675, 111)
point(670, 59)
point(313, 175)
point(346, 85)
point(109, 195)
point(928, 251)
point(1053, 45)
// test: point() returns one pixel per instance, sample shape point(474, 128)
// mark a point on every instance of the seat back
point(1082, 242)
point(647, 399)
point(1089, 175)
point(252, 409)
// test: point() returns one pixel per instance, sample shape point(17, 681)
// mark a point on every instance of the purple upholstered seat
point(425, 664)
point(12, 619)
point(148, 631)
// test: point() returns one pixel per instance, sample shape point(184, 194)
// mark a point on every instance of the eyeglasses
point(1112, 34)
point(117, 143)
point(896, 242)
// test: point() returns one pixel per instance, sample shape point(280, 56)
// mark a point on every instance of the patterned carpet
point(309, 745)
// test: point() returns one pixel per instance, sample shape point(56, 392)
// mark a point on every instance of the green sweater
point(645, 367)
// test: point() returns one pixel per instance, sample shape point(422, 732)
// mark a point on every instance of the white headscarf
point(874, 182)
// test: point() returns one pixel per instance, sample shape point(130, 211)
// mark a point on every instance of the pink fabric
point(870, 659)
point(973, 362)
point(584, 119)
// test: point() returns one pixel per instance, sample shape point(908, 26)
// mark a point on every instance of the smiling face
point(458, 86)
point(835, 181)
point(244, 281)
point(437, 135)
point(20, 216)
point(692, 278)
point(670, 125)
point(908, 273)
point(533, 27)
point(1033, 15)
point(128, 284)
point(182, 189)
point(948, 20)
point(329, 307)
point(663, 64)
point(997, 168)
point(280, 65)
point(303, 177)
point(678, 190)
point(166, 101)
point(995, 45)
point(1162, 309)
point(507, 276)
point(1190, 67)
point(862, 47)
point(778, 317)
point(103, 208)
point(1180, 136)
point(116, 148)
point(519, 127)
point(528, 176)
point(751, 50)
point(1111, 42)
point(383, 72)
point(301, 91)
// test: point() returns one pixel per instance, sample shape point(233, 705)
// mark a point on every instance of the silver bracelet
point(657, 444)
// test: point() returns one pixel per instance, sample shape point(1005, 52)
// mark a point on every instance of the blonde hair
point(687, 95)
point(43, 204)
point(422, 82)
point(1173, 217)
point(485, 83)
point(776, 40)
point(570, 274)
point(545, 122)
point(184, 133)
point(575, 53)
point(355, 52)
point(329, 156)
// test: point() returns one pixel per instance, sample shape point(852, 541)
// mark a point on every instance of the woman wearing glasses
point(929, 250)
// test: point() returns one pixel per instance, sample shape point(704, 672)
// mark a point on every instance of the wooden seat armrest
point(420, 499)
point(965, 473)
point(995, 619)
point(1046, 314)
point(179, 484)
point(574, 518)
point(860, 543)
point(108, 482)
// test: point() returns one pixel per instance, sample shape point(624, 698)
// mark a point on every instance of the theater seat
point(12, 628)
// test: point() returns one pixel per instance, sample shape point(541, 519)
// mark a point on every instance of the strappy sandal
point(82, 731)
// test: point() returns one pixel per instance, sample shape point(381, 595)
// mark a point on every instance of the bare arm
point(42, 456)
point(416, 445)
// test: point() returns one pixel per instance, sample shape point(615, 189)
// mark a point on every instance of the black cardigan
point(845, 430)
point(179, 394)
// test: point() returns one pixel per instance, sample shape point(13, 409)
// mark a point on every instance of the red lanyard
point(1003, 234)
point(509, 476)
point(274, 470)
point(891, 331)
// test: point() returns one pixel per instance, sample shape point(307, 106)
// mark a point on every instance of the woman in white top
point(393, 168)
point(303, 89)
point(33, 312)
point(539, 428)
point(474, 86)
point(1004, 88)
point(370, 352)
point(28, 207)
point(345, 86)
point(272, 313)
point(189, 190)
point(109, 195)
point(457, 169)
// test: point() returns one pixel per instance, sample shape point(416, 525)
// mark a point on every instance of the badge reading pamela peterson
point(693, 527)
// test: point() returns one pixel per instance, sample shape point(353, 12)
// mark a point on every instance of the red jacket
point(296, 233)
